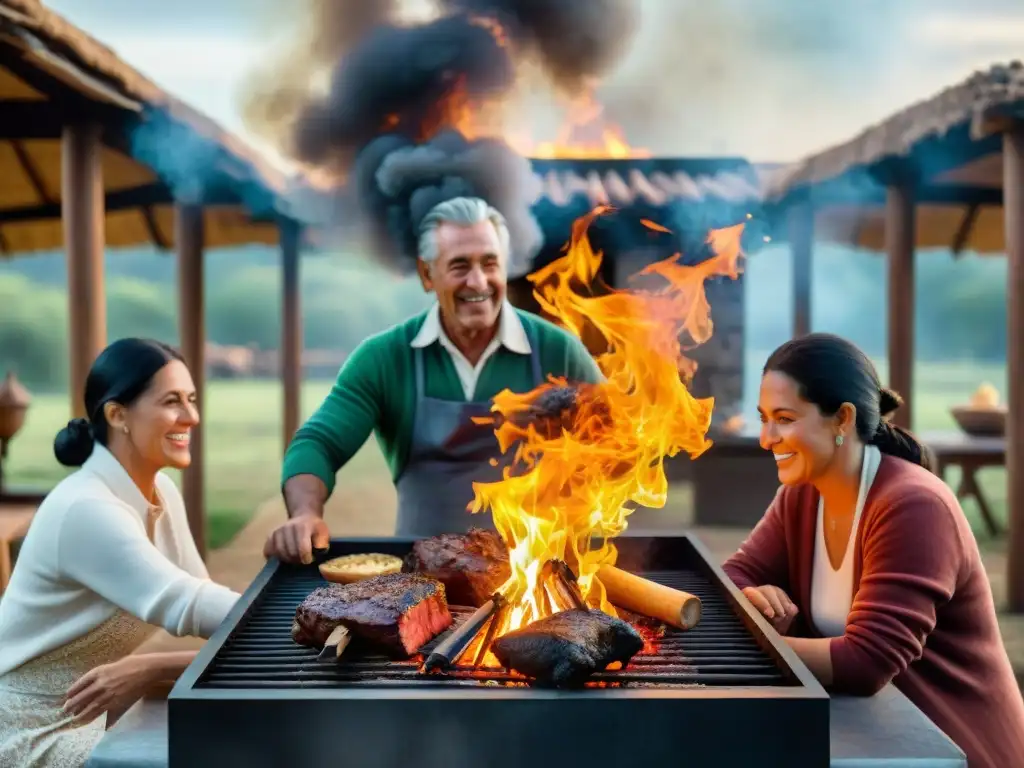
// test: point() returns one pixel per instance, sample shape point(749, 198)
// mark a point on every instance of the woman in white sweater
point(108, 559)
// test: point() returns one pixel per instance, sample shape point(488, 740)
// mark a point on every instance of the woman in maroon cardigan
point(864, 560)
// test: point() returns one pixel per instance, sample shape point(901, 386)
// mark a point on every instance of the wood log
point(634, 593)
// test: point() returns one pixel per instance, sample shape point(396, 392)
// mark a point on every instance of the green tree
point(33, 333)
point(139, 308)
point(246, 309)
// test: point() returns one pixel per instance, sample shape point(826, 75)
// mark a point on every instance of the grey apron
point(447, 455)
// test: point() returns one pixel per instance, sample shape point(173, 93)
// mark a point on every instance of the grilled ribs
point(398, 613)
point(472, 566)
point(567, 647)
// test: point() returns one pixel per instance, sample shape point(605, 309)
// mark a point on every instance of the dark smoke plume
point(398, 181)
point(573, 39)
point(396, 91)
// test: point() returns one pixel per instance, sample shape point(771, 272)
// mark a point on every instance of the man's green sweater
point(376, 392)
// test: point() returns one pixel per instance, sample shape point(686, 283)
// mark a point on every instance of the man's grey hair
point(464, 211)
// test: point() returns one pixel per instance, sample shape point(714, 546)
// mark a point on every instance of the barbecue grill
point(726, 693)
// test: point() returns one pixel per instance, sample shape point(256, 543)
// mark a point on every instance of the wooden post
point(900, 239)
point(291, 330)
point(801, 243)
point(189, 236)
point(1013, 213)
point(83, 214)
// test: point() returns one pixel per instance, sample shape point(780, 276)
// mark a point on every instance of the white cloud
point(973, 30)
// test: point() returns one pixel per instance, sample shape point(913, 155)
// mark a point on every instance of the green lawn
point(243, 425)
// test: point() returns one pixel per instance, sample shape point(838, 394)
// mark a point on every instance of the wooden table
point(970, 454)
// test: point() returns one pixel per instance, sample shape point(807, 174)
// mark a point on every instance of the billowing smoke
point(397, 89)
point(398, 181)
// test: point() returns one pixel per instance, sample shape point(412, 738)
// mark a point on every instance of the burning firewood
point(562, 587)
point(452, 647)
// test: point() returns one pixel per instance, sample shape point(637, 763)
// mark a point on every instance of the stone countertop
point(884, 730)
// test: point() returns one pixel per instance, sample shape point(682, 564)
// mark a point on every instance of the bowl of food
point(984, 416)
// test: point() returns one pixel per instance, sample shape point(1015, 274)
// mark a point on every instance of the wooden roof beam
point(143, 196)
point(24, 119)
point(31, 172)
point(124, 199)
point(965, 230)
point(926, 194)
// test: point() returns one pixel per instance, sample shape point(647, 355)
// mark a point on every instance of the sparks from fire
point(608, 452)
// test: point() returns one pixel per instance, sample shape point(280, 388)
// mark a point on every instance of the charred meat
point(398, 613)
point(559, 407)
point(472, 566)
point(567, 647)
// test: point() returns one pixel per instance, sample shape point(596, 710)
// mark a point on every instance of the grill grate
point(260, 654)
point(253, 697)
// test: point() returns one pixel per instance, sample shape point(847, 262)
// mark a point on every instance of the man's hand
point(294, 541)
point(774, 604)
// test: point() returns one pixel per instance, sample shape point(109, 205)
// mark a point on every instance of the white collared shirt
point(97, 545)
point(511, 335)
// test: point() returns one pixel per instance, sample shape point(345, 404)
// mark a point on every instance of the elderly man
point(419, 384)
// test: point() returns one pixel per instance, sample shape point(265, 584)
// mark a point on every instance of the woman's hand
point(109, 688)
point(774, 604)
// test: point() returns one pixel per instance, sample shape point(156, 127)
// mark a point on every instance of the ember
point(574, 497)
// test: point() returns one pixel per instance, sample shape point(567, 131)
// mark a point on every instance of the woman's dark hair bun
point(889, 402)
point(73, 444)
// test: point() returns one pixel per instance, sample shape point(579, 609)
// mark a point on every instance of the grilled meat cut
point(472, 566)
point(559, 408)
point(567, 647)
point(397, 612)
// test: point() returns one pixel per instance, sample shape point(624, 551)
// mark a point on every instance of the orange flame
point(574, 498)
point(585, 134)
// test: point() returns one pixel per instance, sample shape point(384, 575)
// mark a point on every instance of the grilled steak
point(472, 566)
point(558, 408)
point(397, 612)
point(565, 648)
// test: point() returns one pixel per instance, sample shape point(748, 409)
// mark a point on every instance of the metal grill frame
point(470, 727)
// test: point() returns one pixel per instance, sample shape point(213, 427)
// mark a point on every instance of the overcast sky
point(764, 79)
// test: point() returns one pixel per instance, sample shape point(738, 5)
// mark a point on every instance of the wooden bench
point(14, 523)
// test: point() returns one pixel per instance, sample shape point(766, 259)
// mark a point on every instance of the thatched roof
point(49, 71)
point(951, 142)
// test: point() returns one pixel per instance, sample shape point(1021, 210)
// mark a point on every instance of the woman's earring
point(839, 440)
point(125, 428)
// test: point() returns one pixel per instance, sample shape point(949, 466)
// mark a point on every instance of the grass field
point(243, 423)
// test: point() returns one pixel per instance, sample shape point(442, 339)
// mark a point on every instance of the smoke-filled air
point(414, 112)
